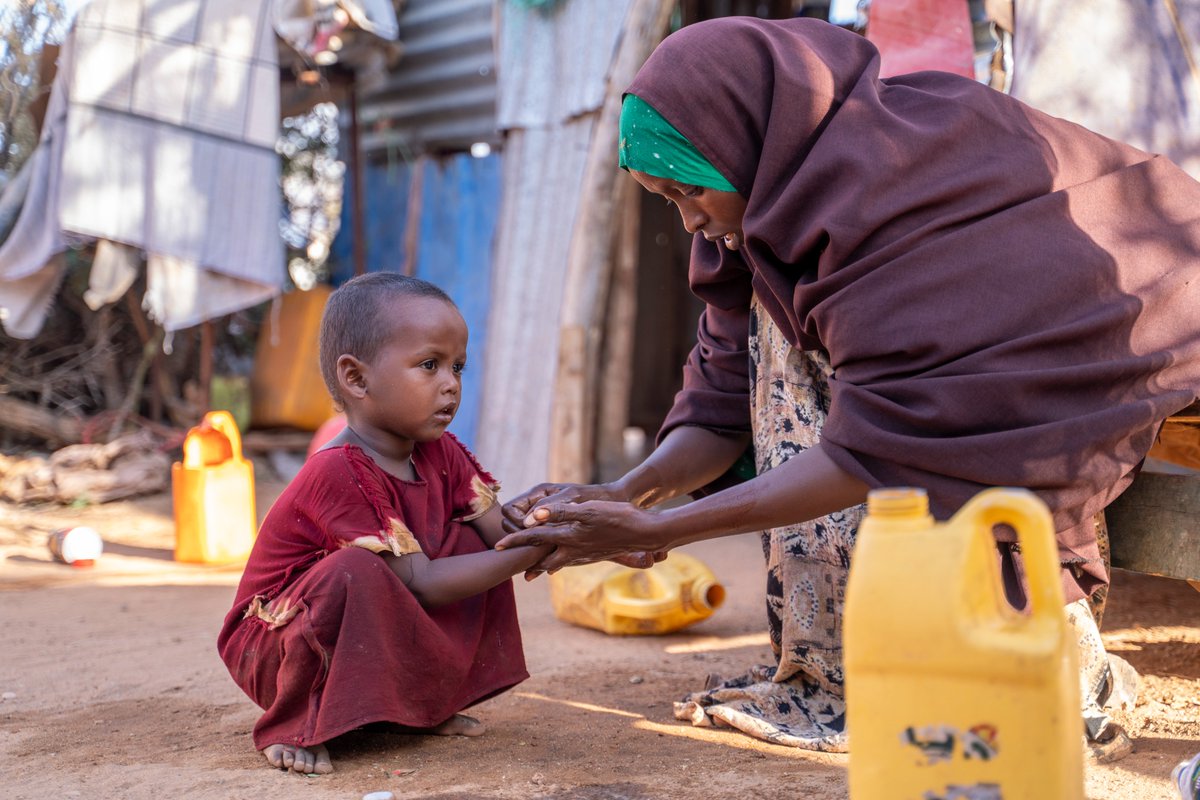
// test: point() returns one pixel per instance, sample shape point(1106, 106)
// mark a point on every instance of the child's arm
point(436, 582)
point(490, 526)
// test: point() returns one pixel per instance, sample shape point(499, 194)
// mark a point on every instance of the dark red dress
point(323, 635)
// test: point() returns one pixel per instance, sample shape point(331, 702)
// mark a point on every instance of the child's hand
point(517, 510)
point(533, 572)
point(641, 559)
point(637, 560)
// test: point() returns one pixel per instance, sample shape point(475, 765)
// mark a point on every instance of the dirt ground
point(112, 688)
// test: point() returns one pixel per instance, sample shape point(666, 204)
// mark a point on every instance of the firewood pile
point(95, 407)
point(130, 465)
point(90, 375)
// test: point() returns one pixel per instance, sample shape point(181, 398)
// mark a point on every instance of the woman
point(915, 281)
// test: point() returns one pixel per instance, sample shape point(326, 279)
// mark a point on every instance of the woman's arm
point(806, 486)
point(687, 459)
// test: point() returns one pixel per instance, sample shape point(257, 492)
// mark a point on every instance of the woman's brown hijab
point(1007, 299)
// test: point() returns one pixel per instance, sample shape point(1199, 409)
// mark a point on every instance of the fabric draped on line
point(153, 142)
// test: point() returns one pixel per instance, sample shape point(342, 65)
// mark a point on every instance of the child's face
point(414, 384)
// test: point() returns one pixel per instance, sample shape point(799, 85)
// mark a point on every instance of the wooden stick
point(589, 259)
point(18, 415)
point(616, 371)
point(206, 364)
point(135, 388)
point(412, 223)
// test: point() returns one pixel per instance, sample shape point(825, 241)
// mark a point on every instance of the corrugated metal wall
point(460, 199)
point(438, 100)
point(453, 247)
point(555, 65)
point(442, 94)
point(553, 73)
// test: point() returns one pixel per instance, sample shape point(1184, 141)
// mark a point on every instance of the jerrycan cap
point(902, 501)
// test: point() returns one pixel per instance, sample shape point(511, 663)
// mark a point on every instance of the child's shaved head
point(354, 324)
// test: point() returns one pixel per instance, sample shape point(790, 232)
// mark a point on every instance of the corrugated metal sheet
point(555, 64)
point(542, 173)
point(553, 69)
point(460, 198)
point(385, 209)
point(442, 93)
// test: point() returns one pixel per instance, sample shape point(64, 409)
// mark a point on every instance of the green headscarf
point(651, 145)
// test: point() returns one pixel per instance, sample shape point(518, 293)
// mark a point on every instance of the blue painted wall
point(460, 199)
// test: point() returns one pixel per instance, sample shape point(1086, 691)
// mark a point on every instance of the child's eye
point(458, 368)
point(693, 191)
point(429, 364)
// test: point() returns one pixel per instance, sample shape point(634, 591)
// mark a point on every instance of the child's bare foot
point(298, 759)
point(459, 725)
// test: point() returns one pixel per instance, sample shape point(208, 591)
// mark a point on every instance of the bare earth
point(112, 689)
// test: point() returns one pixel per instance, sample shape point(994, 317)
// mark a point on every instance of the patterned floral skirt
point(800, 700)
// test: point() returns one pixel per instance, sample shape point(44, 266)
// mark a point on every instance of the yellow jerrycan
point(213, 492)
point(950, 692)
point(622, 600)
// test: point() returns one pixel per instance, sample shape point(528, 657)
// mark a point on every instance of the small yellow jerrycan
point(950, 692)
point(213, 490)
point(622, 600)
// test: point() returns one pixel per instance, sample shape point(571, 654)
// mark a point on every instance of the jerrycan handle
point(1031, 519)
point(639, 607)
point(198, 447)
point(224, 423)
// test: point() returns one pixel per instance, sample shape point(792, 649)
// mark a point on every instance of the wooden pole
point(356, 184)
point(206, 365)
point(54, 427)
point(589, 259)
point(616, 371)
point(412, 223)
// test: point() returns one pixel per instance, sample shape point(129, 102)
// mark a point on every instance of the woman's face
point(715, 214)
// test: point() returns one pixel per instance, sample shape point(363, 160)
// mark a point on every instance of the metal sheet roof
point(441, 96)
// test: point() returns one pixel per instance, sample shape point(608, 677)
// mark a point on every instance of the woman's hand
point(516, 510)
point(588, 531)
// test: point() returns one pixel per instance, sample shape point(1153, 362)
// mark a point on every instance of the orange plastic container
point(213, 489)
point(286, 388)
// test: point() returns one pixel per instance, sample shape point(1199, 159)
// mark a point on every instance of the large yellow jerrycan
point(950, 692)
point(622, 600)
point(286, 387)
point(213, 491)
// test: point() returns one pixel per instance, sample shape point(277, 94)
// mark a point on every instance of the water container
point(79, 546)
point(622, 600)
point(286, 387)
point(950, 691)
point(213, 490)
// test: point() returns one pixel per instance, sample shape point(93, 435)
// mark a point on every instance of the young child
point(373, 593)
